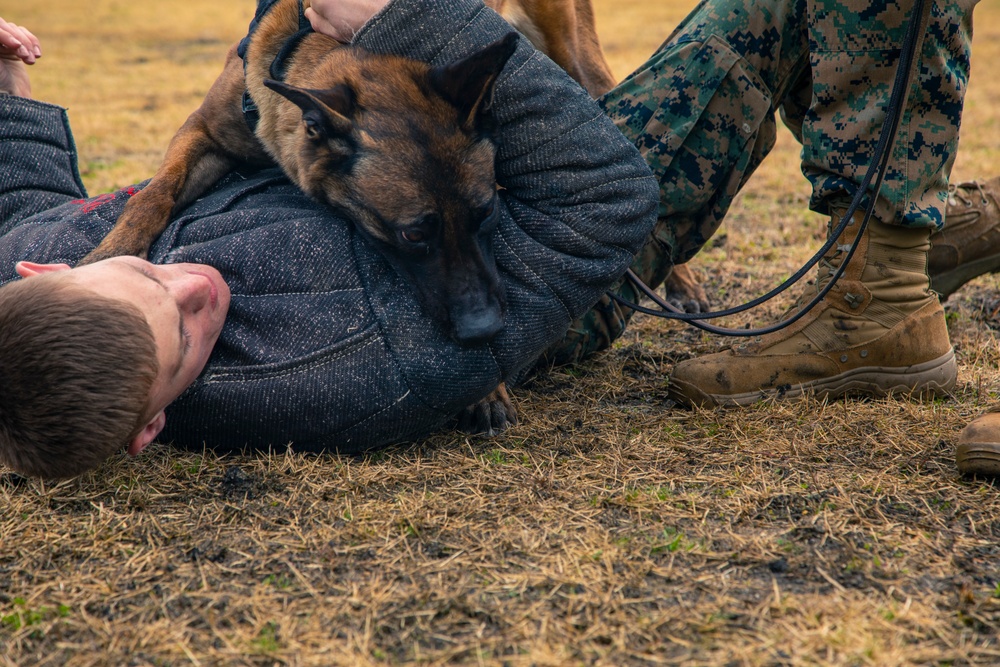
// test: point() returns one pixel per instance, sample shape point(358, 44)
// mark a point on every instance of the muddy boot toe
point(978, 449)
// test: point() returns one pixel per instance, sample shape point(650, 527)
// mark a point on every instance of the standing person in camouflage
point(880, 330)
point(702, 111)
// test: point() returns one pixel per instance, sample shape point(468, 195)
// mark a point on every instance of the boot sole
point(948, 282)
point(978, 458)
point(931, 378)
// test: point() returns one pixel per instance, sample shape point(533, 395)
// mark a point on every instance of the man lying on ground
point(324, 346)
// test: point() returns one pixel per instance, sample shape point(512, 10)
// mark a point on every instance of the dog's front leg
point(491, 415)
point(147, 213)
point(206, 147)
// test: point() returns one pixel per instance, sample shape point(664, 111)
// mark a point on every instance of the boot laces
point(831, 263)
point(963, 192)
point(826, 268)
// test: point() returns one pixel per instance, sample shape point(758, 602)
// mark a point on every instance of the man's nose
point(192, 291)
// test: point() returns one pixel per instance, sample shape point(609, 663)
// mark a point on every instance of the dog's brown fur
point(566, 31)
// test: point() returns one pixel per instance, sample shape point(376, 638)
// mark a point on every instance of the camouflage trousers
point(702, 111)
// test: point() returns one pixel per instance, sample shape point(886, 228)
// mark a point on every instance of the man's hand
point(18, 47)
point(341, 19)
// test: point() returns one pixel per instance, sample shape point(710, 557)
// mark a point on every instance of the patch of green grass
point(658, 493)
point(192, 468)
point(499, 457)
point(267, 640)
point(407, 528)
point(672, 540)
point(90, 168)
point(788, 546)
point(21, 616)
point(279, 581)
point(375, 456)
point(672, 431)
point(853, 565)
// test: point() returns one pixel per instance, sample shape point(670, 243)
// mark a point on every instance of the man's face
point(184, 304)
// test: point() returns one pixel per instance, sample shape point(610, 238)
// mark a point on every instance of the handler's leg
point(879, 330)
point(702, 112)
point(969, 244)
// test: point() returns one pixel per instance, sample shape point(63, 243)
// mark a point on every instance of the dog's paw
point(489, 416)
point(124, 239)
point(683, 290)
point(145, 216)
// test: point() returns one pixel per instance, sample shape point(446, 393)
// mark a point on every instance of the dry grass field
point(608, 528)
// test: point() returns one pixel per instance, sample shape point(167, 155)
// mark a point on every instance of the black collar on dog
point(279, 66)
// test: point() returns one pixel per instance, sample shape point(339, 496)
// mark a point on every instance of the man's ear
point(147, 434)
point(28, 269)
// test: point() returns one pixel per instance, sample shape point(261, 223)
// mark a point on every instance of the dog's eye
point(312, 128)
point(413, 236)
point(489, 219)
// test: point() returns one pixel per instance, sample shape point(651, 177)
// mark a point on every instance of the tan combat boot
point(978, 450)
point(879, 331)
point(969, 244)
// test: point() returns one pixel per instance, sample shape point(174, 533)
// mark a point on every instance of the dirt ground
point(608, 528)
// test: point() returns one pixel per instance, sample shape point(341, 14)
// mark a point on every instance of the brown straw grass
point(607, 528)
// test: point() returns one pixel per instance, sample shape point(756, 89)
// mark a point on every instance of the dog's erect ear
point(325, 112)
point(468, 83)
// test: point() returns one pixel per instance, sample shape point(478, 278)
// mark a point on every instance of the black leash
point(876, 171)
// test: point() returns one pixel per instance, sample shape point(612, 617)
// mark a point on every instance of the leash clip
point(250, 112)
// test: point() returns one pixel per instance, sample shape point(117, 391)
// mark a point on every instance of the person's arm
point(36, 146)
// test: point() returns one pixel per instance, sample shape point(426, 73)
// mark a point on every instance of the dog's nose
point(478, 327)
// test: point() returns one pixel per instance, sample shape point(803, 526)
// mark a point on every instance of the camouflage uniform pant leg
point(854, 51)
point(701, 111)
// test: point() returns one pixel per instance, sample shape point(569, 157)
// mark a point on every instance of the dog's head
point(407, 151)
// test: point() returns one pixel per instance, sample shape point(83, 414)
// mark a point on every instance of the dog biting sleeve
point(579, 199)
